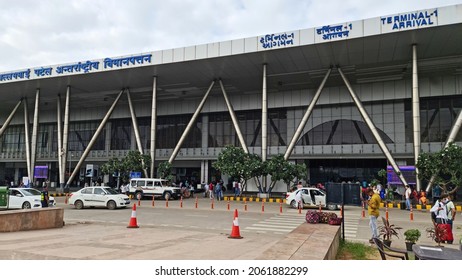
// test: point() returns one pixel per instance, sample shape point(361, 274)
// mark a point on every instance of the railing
point(212, 153)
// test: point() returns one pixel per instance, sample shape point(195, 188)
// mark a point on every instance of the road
point(256, 217)
point(187, 232)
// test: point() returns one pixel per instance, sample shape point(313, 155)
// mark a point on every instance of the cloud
point(38, 33)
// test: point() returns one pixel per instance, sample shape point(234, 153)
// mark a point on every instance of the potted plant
point(387, 231)
point(410, 237)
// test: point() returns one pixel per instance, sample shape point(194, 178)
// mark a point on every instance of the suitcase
point(312, 217)
point(335, 221)
point(324, 217)
point(446, 235)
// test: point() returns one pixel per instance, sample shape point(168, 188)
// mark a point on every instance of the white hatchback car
point(98, 197)
point(26, 198)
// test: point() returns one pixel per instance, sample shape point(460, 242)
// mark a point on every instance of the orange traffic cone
point(133, 223)
point(235, 231)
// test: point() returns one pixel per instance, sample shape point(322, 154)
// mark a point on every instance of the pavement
point(81, 240)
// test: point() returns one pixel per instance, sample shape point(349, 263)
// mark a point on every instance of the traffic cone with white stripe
point(133, 223)
point(235, 230)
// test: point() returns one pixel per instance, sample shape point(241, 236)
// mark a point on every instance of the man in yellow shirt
point(373, 211)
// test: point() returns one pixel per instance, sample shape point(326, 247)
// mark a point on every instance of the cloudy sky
point(38, 33)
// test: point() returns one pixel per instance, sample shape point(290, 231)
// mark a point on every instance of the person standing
point(211, 186)
point(451, 213)
point(299, 199)
point(299, 185)
point(373, 211)
point(218, 190)
point(407, 194)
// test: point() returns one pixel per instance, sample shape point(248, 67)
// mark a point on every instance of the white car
point(26, 198)
point(312, 197)
point(98, 197)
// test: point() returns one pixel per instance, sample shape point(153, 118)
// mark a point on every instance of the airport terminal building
point(346, 99)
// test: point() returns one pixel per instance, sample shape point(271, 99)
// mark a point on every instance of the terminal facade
point(346, 99)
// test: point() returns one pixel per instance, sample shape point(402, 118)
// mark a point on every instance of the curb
point(256, 199)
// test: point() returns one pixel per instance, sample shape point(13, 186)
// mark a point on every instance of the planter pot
point(387, 242)
point(409, 246)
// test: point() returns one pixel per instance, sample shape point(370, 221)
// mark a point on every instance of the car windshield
point(31, 192)
point(110, 191)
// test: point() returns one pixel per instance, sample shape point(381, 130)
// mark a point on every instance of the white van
point(140, 187)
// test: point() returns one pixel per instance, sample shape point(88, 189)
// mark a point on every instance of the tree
point(164, 170)
point(445, 166)
point(134, 161)
point(281, 169)
point(235, 162)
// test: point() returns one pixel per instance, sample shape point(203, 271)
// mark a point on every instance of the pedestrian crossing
point(280, 224)
point(285, 223)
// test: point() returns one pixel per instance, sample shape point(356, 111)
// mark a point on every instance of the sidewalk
point(84, 241)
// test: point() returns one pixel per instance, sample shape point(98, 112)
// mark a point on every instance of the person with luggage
point(440, 216)
point(451, 212)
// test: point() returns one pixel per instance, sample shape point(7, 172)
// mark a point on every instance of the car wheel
point(167, 196)
point(78, 204)
point(111, 205)
point(331, 207)
point(26, 205)
point(293, 204)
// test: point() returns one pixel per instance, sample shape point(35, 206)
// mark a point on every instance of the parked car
point(312, 197)
point(98, 196)
point(27, 198)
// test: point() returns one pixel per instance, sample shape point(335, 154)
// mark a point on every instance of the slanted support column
point(308, 112)
point(34, 135)
point(27, 138)
point(373, 129)
point(153, 125)
point(190, 124)
point(234, 118)
point(452, 136)
point(10, 117)
point(93, 139)
point(136, 130)
point(416, 112)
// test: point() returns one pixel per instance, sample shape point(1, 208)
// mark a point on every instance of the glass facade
point(170, 129)
point(336, 125)
point(341, 132)
point(437, 116)
point(344, 170)
point(222, 132)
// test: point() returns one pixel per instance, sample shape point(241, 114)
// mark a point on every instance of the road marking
point(277, 224)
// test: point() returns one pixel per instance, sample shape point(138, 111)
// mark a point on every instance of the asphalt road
point(265, 219)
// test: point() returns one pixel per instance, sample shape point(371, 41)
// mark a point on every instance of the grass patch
point(356, 251)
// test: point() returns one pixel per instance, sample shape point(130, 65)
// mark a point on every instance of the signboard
point(407, 21)
point(135, 174)
point(91, 171)
point(41, 172)
point(407, 171)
